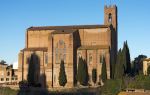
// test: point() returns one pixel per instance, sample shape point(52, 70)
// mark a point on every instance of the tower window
point(110, 18)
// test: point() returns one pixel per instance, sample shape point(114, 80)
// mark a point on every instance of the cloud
point(15, 65)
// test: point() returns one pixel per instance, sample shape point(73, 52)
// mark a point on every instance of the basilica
point(51, 44)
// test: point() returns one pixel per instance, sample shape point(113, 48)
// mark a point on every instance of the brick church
point(52, 44)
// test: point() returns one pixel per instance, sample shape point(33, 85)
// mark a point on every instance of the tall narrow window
point(46, 58)
point(60, 51)
point(90, 58)
point(110, 18)
point(8, 73)
point(57, 59)
point(101, 59)
point(64, 57)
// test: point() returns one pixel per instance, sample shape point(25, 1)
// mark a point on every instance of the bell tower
point(110, 16)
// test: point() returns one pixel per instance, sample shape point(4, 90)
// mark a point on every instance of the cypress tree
point(94, 76)
point(119, 70)
point(62, 75)
point(124, 57)
point(79, 70)
point(112, 69)
point(117, 65)
point(85, 76)
point(104, 70)
point(82, 72)
point(128, 70)
point(123, 64)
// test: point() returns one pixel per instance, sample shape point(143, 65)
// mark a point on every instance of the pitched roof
point(67, 27)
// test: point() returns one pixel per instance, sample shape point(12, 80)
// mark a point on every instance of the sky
point(17, 15)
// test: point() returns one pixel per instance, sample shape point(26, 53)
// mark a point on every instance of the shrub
point(111, 87)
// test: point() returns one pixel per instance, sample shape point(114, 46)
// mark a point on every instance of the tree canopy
point(123, 64)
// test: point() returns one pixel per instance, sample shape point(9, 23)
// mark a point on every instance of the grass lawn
point(7, 91)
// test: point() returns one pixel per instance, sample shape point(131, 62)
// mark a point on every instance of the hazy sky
point(17, 15)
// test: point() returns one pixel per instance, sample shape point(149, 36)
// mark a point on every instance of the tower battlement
point(110, 6)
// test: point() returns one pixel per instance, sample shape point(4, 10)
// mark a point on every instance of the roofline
point(66, 27)
point(146, 59)
point(35, 49)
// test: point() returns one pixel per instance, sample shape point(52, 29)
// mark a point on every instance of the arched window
point(60, 57)
point(57, 58)
point(64, 57)
point(8, 73)
point(101, 59)
point(27, 60)
point(46, 58)
point(60, 51)
point(110, 18)
point(79, 54)
point(90, 58)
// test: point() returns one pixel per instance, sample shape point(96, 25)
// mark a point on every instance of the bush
point(111, 87)
point(140, 82)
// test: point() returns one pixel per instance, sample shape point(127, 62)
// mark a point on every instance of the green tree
point(62, 74)
point(112, 69)
point(119, 70)
point(138, 64)
point(85, 73)
point(111, 87)
point(128, 69)
point(82, 72)
point(104, 70)
point(126, 59)
point(94, 75)
point(2, 62)
point(148, 70)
